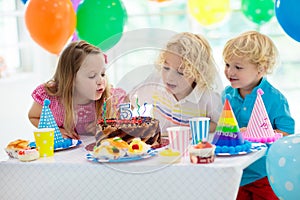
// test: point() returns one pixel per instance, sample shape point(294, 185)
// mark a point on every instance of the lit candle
point(104, 111)
point(145, 108)
point(137, 104)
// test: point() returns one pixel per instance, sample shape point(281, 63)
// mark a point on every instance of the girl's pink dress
point(85, 114)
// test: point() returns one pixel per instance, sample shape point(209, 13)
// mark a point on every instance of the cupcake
point(169, 156)
point(202, 153)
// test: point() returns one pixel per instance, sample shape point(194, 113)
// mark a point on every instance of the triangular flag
point(259, 128)
point(47, 121)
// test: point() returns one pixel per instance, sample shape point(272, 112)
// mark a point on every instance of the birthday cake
point(115, 148)
point(138, 147)
point(145, 128)
point(259, 128)
point(228, 138)
point(111, 148)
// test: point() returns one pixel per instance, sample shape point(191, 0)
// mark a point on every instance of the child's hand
point(72, 135)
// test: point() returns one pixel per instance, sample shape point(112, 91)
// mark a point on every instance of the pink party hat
point(259, 128)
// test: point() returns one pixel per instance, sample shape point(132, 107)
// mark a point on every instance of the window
point(14, 43)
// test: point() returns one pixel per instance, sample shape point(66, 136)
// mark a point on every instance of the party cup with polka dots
point(44, 139)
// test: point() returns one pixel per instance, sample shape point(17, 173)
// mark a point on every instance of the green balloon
point(101, 22)
point(258, 11)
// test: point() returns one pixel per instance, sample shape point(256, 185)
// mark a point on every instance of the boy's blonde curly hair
point(197, 58)
point(255, 47)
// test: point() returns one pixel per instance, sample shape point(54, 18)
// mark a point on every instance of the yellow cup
point(44, 140)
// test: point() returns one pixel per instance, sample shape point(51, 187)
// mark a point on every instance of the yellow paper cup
point(44, 140)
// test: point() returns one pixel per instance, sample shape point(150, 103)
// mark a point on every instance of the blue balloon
point(24, 1)
point(287, 14)
point(283, 167)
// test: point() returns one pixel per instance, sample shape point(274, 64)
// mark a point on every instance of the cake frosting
point(145, 128)
point(228, 138)
point(259, 128)
point(203, 152)
point(138, 147)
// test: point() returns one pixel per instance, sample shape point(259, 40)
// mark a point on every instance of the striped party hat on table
point(259, 128)
point(228, 138)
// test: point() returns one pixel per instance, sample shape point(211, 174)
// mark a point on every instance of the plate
point(74, 143)
point(149, 154)
point(254, 147)
point(164, 142)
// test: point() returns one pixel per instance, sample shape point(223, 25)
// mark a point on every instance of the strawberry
point(135, 147)
point(202, 145)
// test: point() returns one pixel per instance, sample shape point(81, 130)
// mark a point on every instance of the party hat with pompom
point(227, 130)
point(47, 121)
point(259, 128)
point(228, 138)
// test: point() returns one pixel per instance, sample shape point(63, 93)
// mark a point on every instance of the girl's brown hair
point(62, 83)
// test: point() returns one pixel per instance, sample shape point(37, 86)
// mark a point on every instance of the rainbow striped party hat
point(227, 130)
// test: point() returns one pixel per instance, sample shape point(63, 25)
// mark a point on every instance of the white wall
point(16, 98)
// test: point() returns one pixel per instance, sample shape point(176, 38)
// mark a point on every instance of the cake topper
point(125, 111)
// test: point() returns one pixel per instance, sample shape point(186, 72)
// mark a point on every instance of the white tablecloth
point(69, 175)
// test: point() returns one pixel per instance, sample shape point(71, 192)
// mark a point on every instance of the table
point(69, 175)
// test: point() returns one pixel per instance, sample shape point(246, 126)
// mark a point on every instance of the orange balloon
point(50, 23)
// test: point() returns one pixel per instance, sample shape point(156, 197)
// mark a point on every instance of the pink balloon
point(75, 4)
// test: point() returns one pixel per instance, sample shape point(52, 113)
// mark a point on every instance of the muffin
point(202, 153)
point(13, 147)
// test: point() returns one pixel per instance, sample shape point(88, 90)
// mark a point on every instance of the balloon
point(50, 23)
point(287, 14)
point(283, 164)
point(75, 36)
point(24, 1)
point(75, 4)
point(258, 11)
point(101, 22)
point(208, 12)
point(160, 1)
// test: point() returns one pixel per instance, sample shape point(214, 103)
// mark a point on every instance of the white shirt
point(169, 111)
